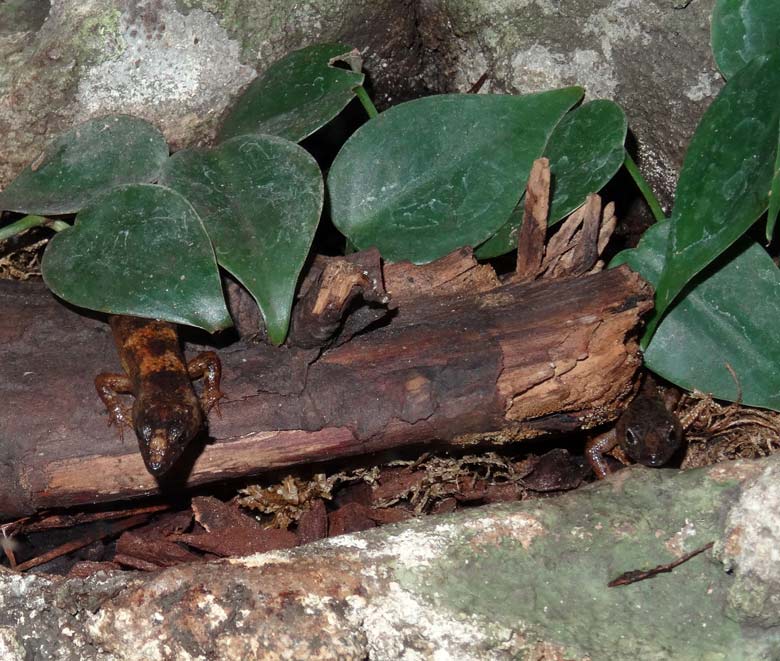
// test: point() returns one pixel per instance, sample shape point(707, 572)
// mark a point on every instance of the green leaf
point(88, 160)
point(505, 239)
point(585, 151)
point(725, 179)
point(295, 96)
point(140, 250)
point(729, 315)
point(742, 30)
point(260, 198)
point(774, 196)
point(431, 175)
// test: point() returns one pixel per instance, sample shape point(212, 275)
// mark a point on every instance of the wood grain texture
point(514, 362)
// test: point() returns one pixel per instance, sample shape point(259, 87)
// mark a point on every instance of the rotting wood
point(513, 362)
point(329, 293)
point(533, 230)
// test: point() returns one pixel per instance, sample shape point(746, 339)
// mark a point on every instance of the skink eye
point(632, 438)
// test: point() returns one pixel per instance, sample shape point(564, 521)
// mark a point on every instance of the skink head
point(164, 430)
point(656, 447)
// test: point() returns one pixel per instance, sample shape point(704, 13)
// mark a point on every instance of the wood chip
point(532, 233)
point(352, 517)
point(214, 515)
point(239, 541)
point(313, 524)
point(144, 550)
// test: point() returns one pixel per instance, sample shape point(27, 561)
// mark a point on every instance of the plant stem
point(59, 225)
point(27, 222)
point(362, 95)
point(644, 188)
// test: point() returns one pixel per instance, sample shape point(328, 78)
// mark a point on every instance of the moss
point(99, 37)
point(556, 589)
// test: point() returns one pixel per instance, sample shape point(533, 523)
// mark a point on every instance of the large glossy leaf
point(295, 96)
point(260, 198)
point(774, 197)
point(742, 30)
point(140, 250)
point(728, 316)
point(505, 239)
point(586, 149)
point(725, 179)
point(431, 175)
point(88, 160)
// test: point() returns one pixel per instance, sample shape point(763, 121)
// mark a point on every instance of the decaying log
point(322, 314)
point(523, 580)
point(506, 364)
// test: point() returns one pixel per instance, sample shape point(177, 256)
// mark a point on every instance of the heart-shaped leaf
point(431, 175)
point(505, 239)
point(260, 198)
point(774, 197)
point(742, 30)
point(139, 250)
point(726, 177)
point(585, 150)
point(726, 318)
point(295, 96)
point(88, 160)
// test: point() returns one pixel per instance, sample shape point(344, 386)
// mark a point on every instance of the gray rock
point(180, 63)
point(650, 56)
point(177, 64)
point(521, 580)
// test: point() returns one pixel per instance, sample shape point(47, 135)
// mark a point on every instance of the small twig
point(636, 575)
point(474, 89)
point(107, 531)
point(69, 520)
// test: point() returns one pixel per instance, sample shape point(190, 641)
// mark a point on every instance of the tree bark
point(515, 362)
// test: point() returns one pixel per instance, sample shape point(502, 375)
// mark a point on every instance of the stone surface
point(513, 581)
point(179, 63)
point(650, 56)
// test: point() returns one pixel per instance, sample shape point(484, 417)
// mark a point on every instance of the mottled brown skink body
point(167, 413)
point(647, 432)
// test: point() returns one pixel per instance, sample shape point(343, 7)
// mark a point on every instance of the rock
point(176, 64)
point(650, 57)
point(512, 581)
point(180, 64)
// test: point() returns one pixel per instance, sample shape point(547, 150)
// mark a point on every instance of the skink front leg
point(595, 450)
point(109, 387)
point(207, 366)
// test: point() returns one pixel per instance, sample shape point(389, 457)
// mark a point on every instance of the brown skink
point(166, 413)
point(647, 431)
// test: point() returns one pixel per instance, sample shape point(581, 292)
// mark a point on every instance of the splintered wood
point(575, 248)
